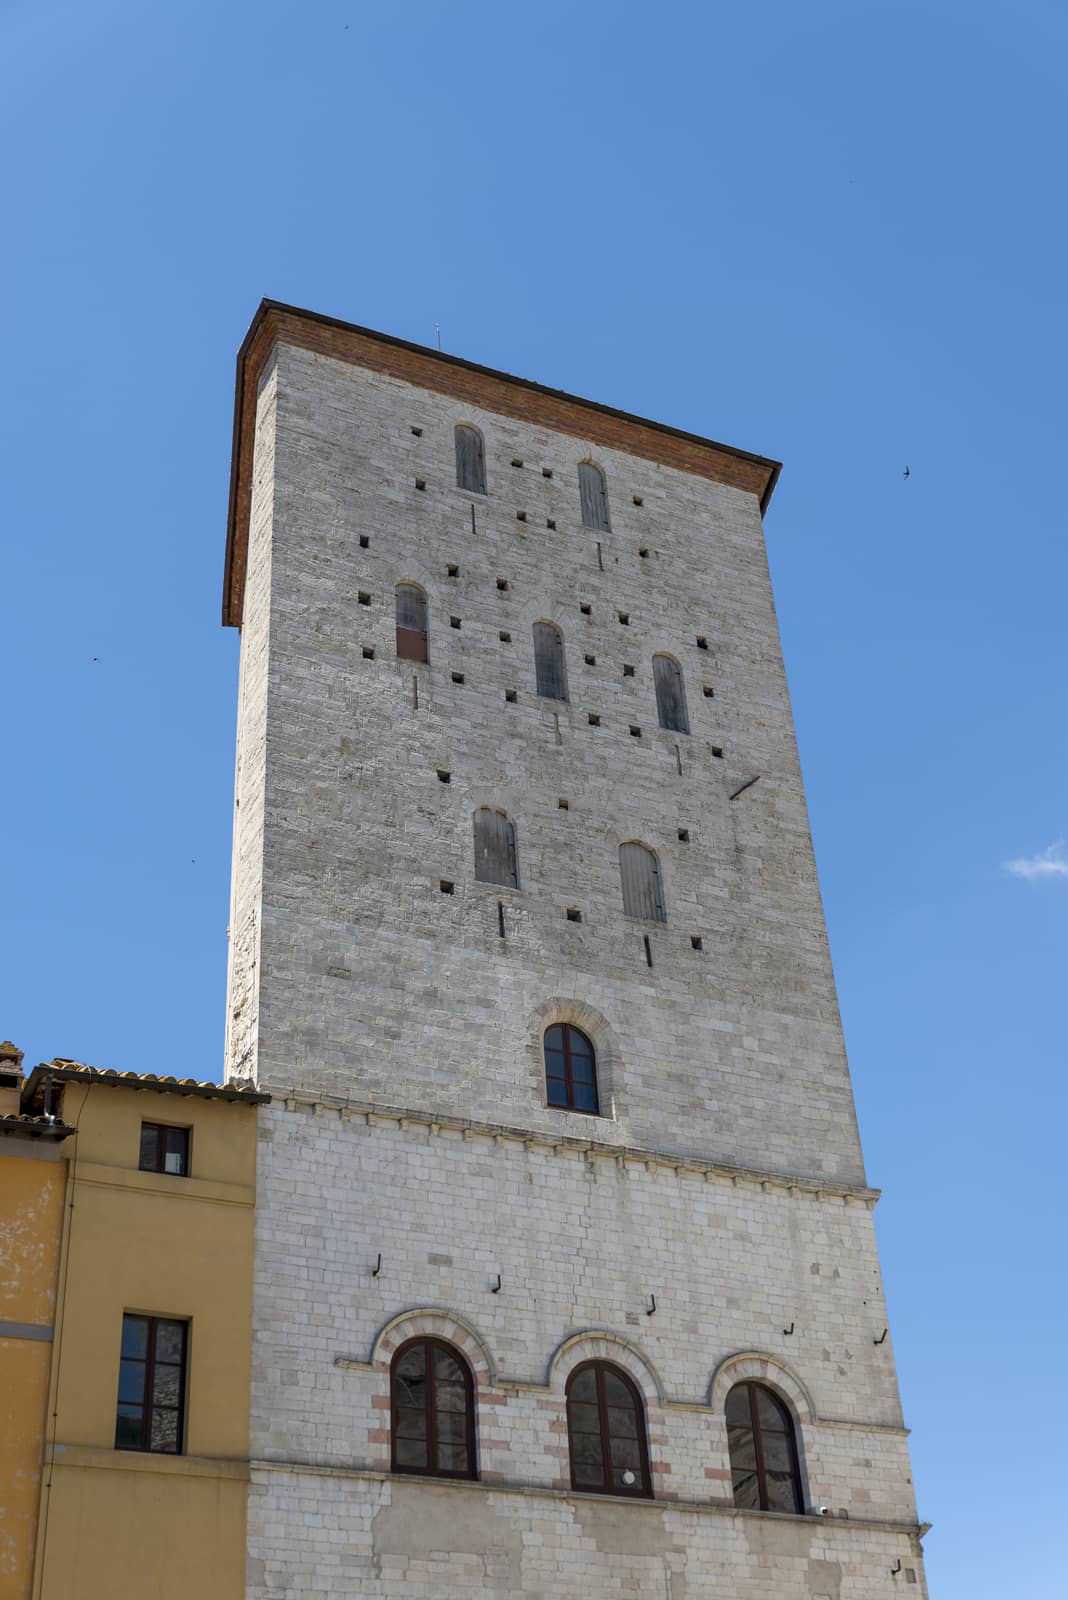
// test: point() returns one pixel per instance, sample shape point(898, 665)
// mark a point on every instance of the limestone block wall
point(582, 1241)
point(374, 981)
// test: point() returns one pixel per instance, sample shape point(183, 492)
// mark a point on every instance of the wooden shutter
point(640, 871)
point(411, 622)
point(549, 661)
point(593, 497)
point(470, 460)
point(670, 694)
point(495, 848)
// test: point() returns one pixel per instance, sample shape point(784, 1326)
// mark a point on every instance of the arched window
point(765, 1475)
point(411, 622)
point(495, 860)
point(433, 1410)
point(549, 664)
point(642, 892)
point(670, 694)
point(570, 1069)
point(606, 1431)
point(593, 496)
point(470, 460)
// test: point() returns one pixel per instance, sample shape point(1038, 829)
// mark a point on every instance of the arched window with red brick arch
point(433, 1410)
point(606, 1432)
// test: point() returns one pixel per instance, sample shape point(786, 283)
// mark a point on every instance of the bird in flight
point(906, 473)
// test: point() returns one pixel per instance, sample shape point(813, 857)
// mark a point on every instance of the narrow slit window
point(549, 665)
point(670, 694)
point(411, 622)
point(495, 855)
point(470, 460)
point(593, 497)
point(642, 890)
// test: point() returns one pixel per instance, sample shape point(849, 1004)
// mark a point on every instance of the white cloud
point(1049, 863)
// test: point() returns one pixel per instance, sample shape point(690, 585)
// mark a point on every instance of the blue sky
point(830, 233)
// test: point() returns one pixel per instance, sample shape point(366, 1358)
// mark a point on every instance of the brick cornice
point(276, 324)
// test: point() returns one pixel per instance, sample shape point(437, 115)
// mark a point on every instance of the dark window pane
point(554, 1062)
point(167, 1385)
point(452, 1458)
point(135, 1336)
point(737, 1407)
point(777, 1452)
point(450, 1397)
point(411, 1424)
point(131, 1382)
point(410, 1452)
point(584, 1387)
point(557, 1092)
point(741, 1446)
point(622, 1423)
point(585, 1418)
point(128, 1428)
point(627, 1453)
point(781, 1495)
point(170, 1341)
point(587, 1459)
point(769, 1411)
point(446, 1367)
point(585, 1097)
point(554, 1037)
point(176, 1151)
point(149, 1159)
point(616, 1391)
point(746, 1491)
point(582, 1069)
point(452, 1427)
point(164, 1434)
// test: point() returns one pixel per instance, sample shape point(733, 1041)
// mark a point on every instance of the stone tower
point(566, 1280)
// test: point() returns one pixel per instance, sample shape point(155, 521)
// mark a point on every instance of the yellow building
point(33, 1176)
point(144, 1460)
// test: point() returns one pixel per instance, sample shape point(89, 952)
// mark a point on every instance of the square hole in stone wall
point(364, 541)
point(717, 750)
point(564, 805)
point(684, 835)
point(457, 677)
point(368, 653)
point(364, 598)
point(549, 523)
point(593, 720)
point(452, 570)
point(635, 732)
point(587, 610)
point(696, 942)
point(638, 500)
point(418, 432)
point(708, 691)
point(511, 696)
point(446, 885)
point(517, 461)
point(574, 914)
point(443, 776)
point(702, 642)
point(454, 622)
point(643, 552)
point(624, 617)
point(502, 584)
point(505, 638)
point(420, 484)
point(546, 472)
point(591, 661)
point(628, 672)
point(520, 516)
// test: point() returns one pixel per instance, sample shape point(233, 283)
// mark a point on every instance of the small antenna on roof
point(437, 330)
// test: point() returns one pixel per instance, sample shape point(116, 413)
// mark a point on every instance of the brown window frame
point(752, 1390)
point(567, 1029)
point(412, 643)
point(429, 1471)
point(163, 1128)
point(643, 1490)
point(148, 1404)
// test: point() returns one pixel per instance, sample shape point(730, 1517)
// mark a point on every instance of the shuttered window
point(593, 496)
point(495, 860)
point(670, 694)
point(411, 623)
point(470, 460)
point(642, 892)
point(549, 661)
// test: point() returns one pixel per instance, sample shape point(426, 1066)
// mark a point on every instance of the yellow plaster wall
point(32, 1184)
point(121, 1523)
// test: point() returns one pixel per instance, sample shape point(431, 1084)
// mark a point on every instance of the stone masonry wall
point(399, 1027)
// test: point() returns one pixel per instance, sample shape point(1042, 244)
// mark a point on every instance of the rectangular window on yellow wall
point(164, 1149)
point(152, 1374)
